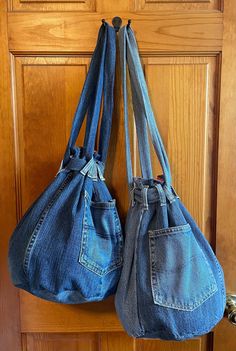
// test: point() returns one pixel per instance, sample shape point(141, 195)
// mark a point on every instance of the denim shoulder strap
point(93, 83)
point(108, 92)
point(143, 143)
point(129, 50)
point(108, 97)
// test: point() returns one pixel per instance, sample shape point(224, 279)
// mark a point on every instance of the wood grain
point(42, 316)
point(153, 345)
point(74, 32)
point(116, 342)
point(52, 5)
point(62, 342)
point(226, 199)
point(9, 303)
point(188, 124)
point(177, 5)
point(47, 91)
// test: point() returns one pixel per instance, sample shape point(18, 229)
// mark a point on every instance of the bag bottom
point(164, 335)
point(64, 297)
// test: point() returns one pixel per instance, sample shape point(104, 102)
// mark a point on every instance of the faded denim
point(68, 246)
point(171, 285)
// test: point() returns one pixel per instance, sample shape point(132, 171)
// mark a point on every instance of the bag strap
point(108, 98)
point(108, 102)
point(143, 96)
point(93, 88)
point(142, 108)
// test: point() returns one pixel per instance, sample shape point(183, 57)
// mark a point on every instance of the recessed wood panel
point(106, 342)
point(52, 5)
point(60, 342)
point(160, 345)
point(116, 342)
point(47, 92)
point(177, 5)
point(183, 92)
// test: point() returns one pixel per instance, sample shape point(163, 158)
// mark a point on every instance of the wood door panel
point(69, 32)
point(177, 5)
point(189, 130)
point(104, 342)
point(62, 342)
point(154, 345)
point(52, 5)
point(116, 342)
point(47, 91)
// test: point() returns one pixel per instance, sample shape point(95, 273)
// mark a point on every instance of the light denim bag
point(171, 285)
point(68, 246)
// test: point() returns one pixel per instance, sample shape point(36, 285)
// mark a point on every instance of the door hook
point(117, 21)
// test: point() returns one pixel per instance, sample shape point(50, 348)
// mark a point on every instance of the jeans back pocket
point(102, 239)
point(181, 277)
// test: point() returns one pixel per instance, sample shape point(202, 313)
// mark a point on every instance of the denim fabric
point(68, 246)
point(171, 285)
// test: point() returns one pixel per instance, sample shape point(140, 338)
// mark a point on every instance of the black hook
point(103, 21)
point(129, 23)
point(117, 21)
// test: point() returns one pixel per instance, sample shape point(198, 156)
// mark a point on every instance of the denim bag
point(171, 285)
point(68, 246)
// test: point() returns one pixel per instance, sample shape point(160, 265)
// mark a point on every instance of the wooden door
point(188, 49)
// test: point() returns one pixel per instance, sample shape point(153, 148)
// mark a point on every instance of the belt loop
point(100, 173)
point(60, 169)
point(174, 192)
point(132, 195)
point(161, 193)
point(145, 198)
point(169, 194)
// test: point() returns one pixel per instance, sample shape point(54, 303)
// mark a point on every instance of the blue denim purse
point(171, 285)
point(68, 246)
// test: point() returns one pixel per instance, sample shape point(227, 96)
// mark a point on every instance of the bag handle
point(108, 88)
point(93, 87)
point(142, 109)
point(137, 74)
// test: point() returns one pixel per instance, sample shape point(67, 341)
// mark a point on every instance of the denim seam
point(84, 259)
point(155, 283)
point(188, 307)
point(135, 263)
point(211, 290)
point(35, 233)
point(104, 206)
point(65, 291)
point(169, 231)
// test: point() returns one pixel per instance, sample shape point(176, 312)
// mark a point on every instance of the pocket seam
point(84, 259)
point(169, 231)
point(155, 284)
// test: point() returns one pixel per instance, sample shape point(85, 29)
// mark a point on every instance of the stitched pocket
point(181, 276)
point(102, 240)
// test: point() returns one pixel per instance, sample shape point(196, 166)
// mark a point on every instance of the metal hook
point(129, 23)
point(117, 21)
point(103, 21)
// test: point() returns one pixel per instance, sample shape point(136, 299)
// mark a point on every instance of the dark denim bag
point(171, 285)
point(68, 246)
